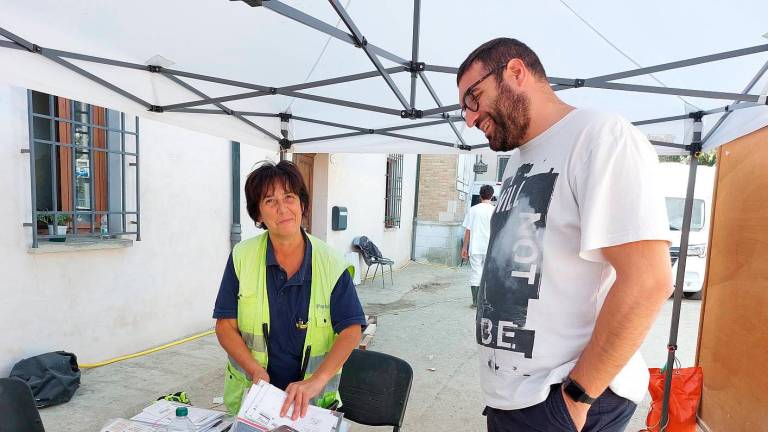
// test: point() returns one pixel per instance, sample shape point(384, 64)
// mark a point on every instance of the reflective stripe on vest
point(249, 258)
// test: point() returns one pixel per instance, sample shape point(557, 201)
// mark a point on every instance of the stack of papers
point(260, 412)
point(123, 425)
point(162, 412)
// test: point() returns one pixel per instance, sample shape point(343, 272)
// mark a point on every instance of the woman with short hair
point(287, 311)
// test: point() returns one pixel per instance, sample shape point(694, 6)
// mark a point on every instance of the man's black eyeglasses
point(469, 101)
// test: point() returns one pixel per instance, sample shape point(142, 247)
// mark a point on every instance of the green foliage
point(61, 219)
point(707, 159)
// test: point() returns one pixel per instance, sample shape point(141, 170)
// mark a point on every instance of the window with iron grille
point(84, 170)
point(502, 165)
point(394, 192)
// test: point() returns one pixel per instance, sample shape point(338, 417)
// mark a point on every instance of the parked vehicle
point(675, 181)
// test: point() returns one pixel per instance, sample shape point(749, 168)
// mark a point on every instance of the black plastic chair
point(372, 255)
point(374, 388)
point(18, 412)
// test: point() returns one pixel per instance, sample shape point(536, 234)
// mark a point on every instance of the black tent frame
point(409, 110)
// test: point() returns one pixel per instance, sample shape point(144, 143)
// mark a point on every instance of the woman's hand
point(259, 374)
point(299, 394)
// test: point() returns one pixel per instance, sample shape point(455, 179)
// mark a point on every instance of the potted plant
point(44, 220)
point(61, 224)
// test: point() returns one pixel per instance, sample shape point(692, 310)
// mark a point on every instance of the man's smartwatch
point(577, 392)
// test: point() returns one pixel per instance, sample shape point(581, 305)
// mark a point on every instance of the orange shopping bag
point(683, 399)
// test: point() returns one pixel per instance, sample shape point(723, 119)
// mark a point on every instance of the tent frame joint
point(285, 144)
point(360, 42)
point(411, 114)
point(695, 148)
point(697, 115)
point(464, 147)
point(155, 68)
point(284, 117)
point(252, 3)
point(156, 108)
point(415, 66)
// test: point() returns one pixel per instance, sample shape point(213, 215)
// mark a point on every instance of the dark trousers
point(609, 413)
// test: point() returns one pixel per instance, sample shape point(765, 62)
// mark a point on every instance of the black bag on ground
point(53, 377)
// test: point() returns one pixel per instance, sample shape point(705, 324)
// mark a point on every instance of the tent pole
point(415, 218)
point(235, 230)
point(285, 142)
point(372, 56)
point(747, 89)
point(310, 21)
point(223, 108)
point(450, 122)
point(694, 149)
point(675, 65)
point(415, 48)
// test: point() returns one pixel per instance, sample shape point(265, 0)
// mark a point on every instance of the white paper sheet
point(261, 410)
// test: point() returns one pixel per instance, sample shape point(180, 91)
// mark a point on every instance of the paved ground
point(424, 318)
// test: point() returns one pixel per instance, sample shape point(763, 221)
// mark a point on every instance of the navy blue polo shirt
point(289, 303)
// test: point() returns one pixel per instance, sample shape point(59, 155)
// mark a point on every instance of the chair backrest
point(18, 412)
point(367, 249)
point(361, 245)
point(374, 388)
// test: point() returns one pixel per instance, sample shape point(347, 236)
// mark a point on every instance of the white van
point(675, 182)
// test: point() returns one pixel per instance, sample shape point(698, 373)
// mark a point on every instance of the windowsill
point(81, 244)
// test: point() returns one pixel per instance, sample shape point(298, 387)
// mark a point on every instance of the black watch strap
point(576, 392)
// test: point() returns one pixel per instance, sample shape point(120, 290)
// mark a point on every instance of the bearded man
point(577, 265)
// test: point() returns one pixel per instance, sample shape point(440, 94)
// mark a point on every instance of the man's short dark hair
point(499, 51)
point(486, 192)
point(262, 180)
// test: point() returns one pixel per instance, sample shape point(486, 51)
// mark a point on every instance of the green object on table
point(61, 239)
point(180, 397)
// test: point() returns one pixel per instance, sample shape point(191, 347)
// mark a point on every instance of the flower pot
point(61, 230)
point(51, 231)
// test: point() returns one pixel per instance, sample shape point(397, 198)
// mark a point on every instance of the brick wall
point(438, 197)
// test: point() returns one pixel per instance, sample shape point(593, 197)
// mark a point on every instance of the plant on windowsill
point(44, 220)
point(61, 223)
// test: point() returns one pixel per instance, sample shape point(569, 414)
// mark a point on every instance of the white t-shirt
point(478, 222)
point(586, 183)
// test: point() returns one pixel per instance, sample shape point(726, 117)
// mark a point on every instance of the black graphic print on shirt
point(512, 272)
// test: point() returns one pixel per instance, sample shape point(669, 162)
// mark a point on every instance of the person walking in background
point(477, 224)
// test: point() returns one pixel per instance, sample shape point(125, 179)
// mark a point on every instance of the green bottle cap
point(181, 412)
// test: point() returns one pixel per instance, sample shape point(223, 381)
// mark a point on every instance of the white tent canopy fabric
point(205, 45)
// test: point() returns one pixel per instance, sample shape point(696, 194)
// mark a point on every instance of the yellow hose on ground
point(149, 351)
point(407, 263)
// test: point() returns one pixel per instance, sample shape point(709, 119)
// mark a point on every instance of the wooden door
point(305, 163)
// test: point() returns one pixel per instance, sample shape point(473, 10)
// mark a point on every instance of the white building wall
point(101, 304)
point(358, 182)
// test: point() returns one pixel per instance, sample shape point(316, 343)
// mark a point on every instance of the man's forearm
point(624, 320)
point(465, 245)
point(347, 340)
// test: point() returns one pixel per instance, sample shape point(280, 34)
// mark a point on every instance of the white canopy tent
point(379, 77)
point(204, 46)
